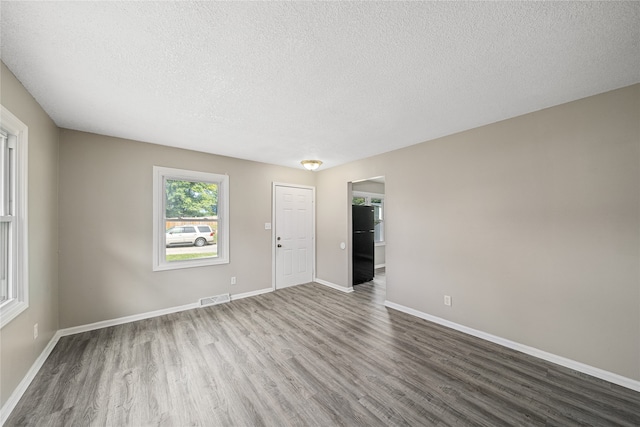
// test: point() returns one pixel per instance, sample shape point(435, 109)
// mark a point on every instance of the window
point(14, 271)
point(377, 201)
point(359, 201)
point(378, 220)
point(191, 219)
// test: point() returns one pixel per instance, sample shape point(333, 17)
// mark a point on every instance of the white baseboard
point(251, 294)
point(148, 315)
point(126, 319)
point(15, 397)
point(532, 351)
point(334, 286)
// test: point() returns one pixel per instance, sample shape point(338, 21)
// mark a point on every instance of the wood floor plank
point(307, 356)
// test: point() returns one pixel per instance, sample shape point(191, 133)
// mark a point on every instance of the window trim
point(11, 308)
point(160, 175)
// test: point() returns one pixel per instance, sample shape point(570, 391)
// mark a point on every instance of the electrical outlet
point(233, 280)
point(447, 300)
point(35, 331)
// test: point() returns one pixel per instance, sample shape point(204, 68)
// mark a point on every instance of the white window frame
point(18, 268)
point(160, 176)
point(367, 201)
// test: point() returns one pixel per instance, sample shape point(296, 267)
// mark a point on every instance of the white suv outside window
point(190, 234)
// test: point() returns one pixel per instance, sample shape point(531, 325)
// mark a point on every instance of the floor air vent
point(218, 299)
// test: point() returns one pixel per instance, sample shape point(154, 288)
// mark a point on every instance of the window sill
point(381, 244)
point(11, 310)
point(176, 265)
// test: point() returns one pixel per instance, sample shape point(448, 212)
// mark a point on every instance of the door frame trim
point(273, 228)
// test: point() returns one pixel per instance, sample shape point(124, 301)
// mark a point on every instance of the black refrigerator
point(363, 230)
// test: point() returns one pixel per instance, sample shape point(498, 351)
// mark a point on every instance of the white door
point(294, 235)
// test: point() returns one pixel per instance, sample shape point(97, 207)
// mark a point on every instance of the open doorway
point(368, 237)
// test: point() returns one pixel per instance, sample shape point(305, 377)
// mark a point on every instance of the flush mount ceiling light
point(311, 164)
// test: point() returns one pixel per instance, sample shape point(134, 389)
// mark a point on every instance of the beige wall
point(532, 225)
point(18, 349)
point(106, 228)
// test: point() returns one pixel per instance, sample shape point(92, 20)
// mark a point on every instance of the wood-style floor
point(307, 355)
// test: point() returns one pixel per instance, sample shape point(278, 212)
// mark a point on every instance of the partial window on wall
point(191, 221)
point(377, 201)
point(14, 269)
point(359, 201)
point(378, 219)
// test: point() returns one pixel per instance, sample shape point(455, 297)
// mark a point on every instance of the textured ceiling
point(279, 82)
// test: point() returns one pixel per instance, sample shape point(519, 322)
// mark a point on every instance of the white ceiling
point(279, 82)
